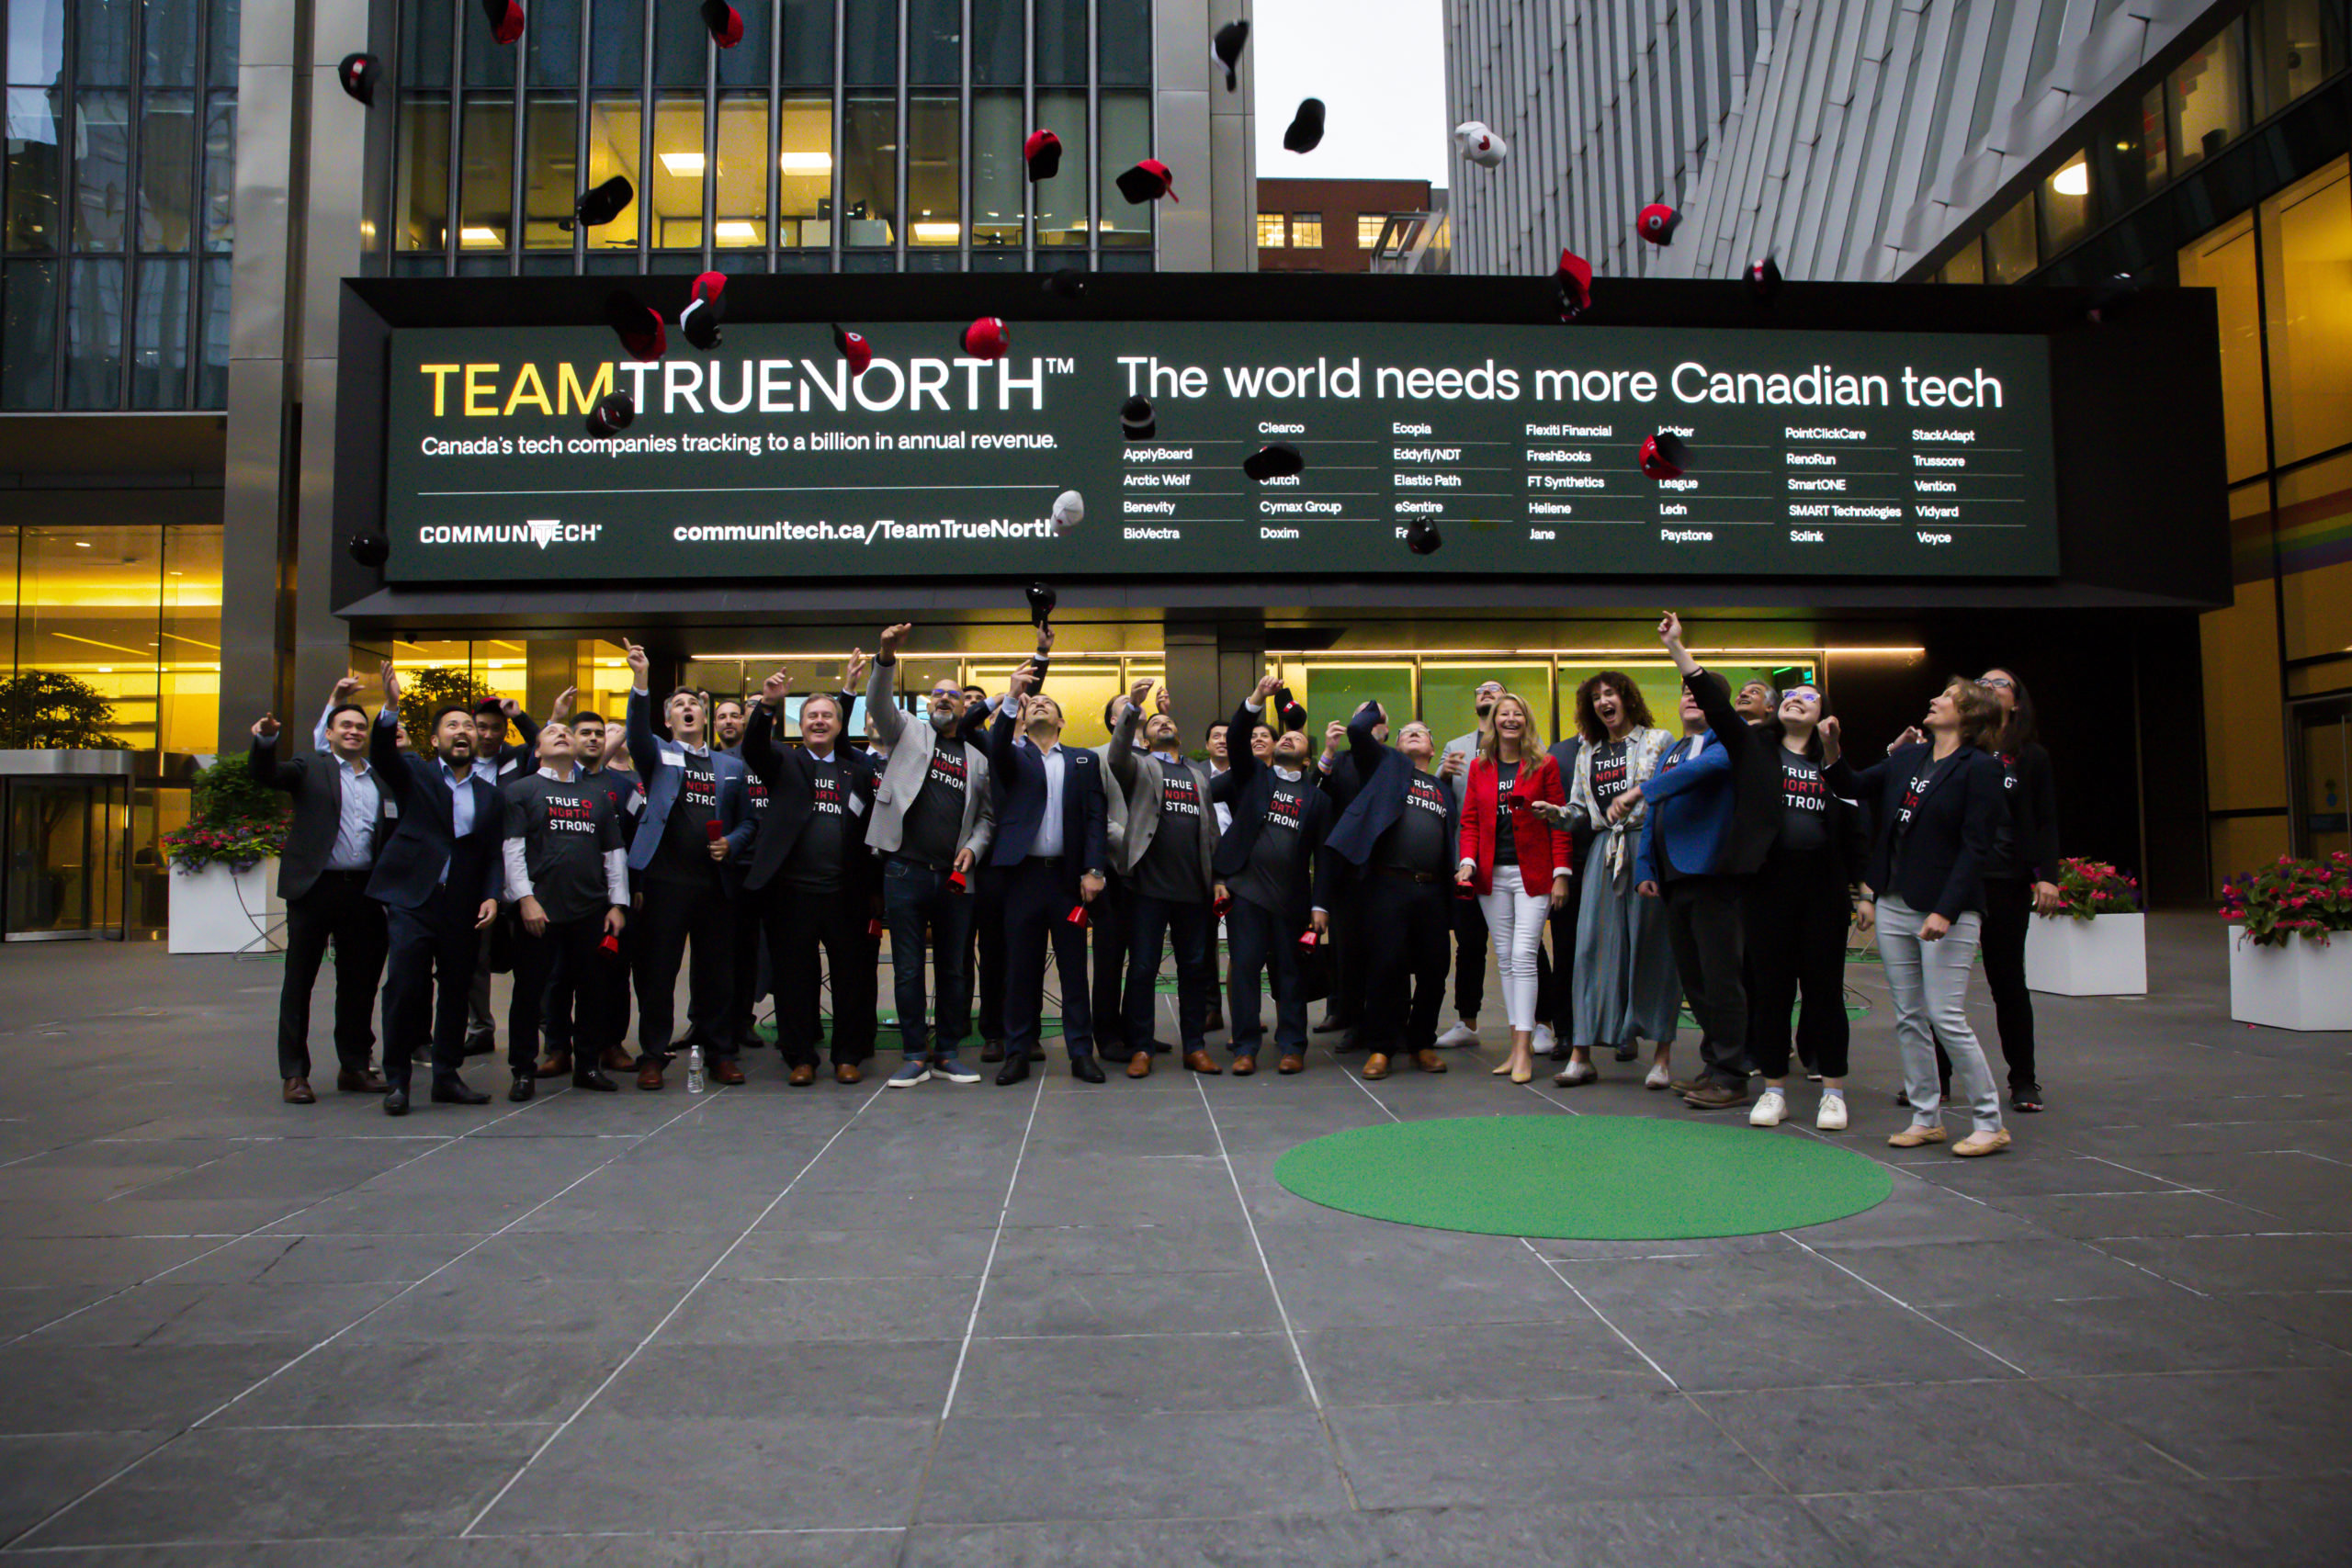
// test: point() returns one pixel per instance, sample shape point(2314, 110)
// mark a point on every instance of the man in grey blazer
point(1167, 855)
point(933, 820)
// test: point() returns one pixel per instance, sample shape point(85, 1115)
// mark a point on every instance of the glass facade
point(116, 221)
point(853, 135)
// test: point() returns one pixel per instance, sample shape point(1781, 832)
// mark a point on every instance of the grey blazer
point(1143, 803)
point(911, 744)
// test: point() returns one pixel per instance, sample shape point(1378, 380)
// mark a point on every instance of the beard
point(943, 722)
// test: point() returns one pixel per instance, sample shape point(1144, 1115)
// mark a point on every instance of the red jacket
point(1544, 849)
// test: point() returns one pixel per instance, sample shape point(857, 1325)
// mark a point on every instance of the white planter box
point(2299, 986)
point(2106, 956)
point(218, 910)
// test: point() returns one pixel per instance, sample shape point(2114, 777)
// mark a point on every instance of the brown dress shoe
point(1290, 1065)
point(1376, 1067)
point(1715, 1097)
point(369, 1081)
point(649, 1075)
point(1139, 1065)
point(1687, 1086)
point(1202, 1062)
point(847, 1072)
point(727, 1070)
point(802, 1075)
point(617, 1060)
point(1244, 1066)
point(553, 1066)
point(1429, 1061)
point(298, 1092)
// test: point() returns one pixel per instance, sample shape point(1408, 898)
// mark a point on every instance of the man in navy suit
point(1051, 851)
point(438, 878)
point(1403, 831)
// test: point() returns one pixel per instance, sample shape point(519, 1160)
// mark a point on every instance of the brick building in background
point(1328, 225)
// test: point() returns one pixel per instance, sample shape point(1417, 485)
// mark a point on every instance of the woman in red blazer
point(1514, 861)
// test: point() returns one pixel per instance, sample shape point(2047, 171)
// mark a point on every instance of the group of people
point(1722, 864)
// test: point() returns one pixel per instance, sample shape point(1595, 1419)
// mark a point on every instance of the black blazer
point(1246, 786)
point(1754, 781)
point(315, 782)
point(2028, 845)
point(1381, 801)
point(408, 866)
point(1952, 826)
point(791, 801)
point(1017, 773)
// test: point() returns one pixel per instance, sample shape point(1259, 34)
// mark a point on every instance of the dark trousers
point(1037, 901)
point(799, 926)
point(1406, 928)
point(988, 934)
point(2009, 914)
point(1262, 943)
point(1113, 922)
point(1556, 981)
point(569, 1006)
point(1469, 957)
point(1706, 926)
point(338, 908)
point(1348, 970)
point(673, 914)
point(1797, 915)
point(566, 960)
point(745, 991)
point(927, 912)
point(1190, 929)
point(432, 953)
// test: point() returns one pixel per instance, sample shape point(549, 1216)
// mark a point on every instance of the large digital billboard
point(1812, 454)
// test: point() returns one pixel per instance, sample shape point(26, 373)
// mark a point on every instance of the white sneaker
point(1659, 1077)
point(1831, 1118)
point(1770, 1106)
point(1460, 1034)
point(1576, 1075)
point(1545, 1041)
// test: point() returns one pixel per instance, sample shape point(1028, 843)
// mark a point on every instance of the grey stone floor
point(1072, 1325)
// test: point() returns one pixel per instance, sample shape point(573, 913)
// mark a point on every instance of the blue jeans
point(919, 903)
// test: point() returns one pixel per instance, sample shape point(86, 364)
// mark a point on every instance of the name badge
point(856, 803)
point(392, 808)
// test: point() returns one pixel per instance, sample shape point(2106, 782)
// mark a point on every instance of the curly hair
point(1979, 712)
point(1629, 697)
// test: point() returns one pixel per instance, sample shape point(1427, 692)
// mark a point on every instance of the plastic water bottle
point(694, 1070)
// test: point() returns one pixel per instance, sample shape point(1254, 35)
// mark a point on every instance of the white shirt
point(461, 804)
point(1049, 827)
point(355, 828)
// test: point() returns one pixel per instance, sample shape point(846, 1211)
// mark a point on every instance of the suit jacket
point(658, 761)
point(1565, 757)
point(1953, 822)
point(1247, 786)
point(1017, 773)
point(1542, 848)
point(2028, 846)
point(1381, 801)
point(1715, 815)
point(912, 743)
point(1755, 807)
point(422, 841)
point(792, 800)
point(315, 782)
point(1140, 798)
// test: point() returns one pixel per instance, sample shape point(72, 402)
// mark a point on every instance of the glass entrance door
point(2324, 768)
point(64, 846)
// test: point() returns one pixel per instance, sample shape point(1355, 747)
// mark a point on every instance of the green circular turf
point(1592, 1178)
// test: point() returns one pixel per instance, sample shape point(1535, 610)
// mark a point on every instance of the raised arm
point(262, 761)
point(761, 753)
point(644, 748)
point(1365, 749)
point(383, 738)
point(881, 701)
point(1123, 737)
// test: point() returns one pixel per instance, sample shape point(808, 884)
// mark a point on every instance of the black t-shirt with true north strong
point(1805, 807)
point(935, 817)
point(1171, 870)
point(817, 859)
point(1417, 839)
point(1506, 841)
point(1274, 865)
point(565, 830)
point(1609, 770)
point(684, 855)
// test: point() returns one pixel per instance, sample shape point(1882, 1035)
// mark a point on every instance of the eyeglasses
point(2002, 682)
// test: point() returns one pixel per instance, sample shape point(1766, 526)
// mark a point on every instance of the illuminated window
point(1368, 228)
point(805, 172)
point(2065, 205)
point(1270, 231)
point(1307, 231)
point(2010, 251)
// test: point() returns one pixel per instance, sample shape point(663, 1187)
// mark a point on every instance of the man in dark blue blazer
point(1403, 831)
point(438, 877)
point(1266, 864)
point(1051, 850)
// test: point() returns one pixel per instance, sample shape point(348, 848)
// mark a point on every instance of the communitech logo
point(540, 531)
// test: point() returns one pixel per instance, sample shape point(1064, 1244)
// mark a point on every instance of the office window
point(2307, 305)
point(742, 199)
point(870, 171)
point(2009, 249)
point(550, 167)
point(999, 180)
point(1307, 231)
point(1060, 202)
point(1966, 266)
point(2205, 99)
point(2296, 45)
point(2065, 205)
point(805, 172)
point(1368, 228)
point(1127, 140)
point(934, 172)
point(674, 181)
point(1271, 230)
